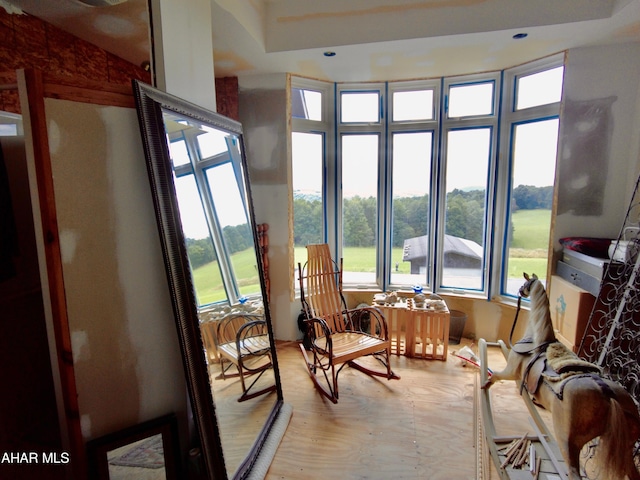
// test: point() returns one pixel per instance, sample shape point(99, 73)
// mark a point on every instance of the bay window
point(444, 183)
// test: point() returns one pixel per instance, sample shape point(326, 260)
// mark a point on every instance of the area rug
point(147, 453)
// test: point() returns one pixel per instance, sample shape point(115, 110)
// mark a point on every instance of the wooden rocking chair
point(242, 340)
point(337, 336)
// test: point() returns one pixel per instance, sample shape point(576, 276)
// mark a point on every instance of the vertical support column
point(182, 50)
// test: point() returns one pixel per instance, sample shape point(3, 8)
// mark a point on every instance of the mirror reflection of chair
point(337, 336)
point(208, 332)
point(242, 341)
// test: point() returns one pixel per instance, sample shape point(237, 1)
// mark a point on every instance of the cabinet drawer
point(578, 278)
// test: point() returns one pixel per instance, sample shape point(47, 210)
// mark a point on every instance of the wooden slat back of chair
point(228, 328)
point(208, 330)
point(323, 284)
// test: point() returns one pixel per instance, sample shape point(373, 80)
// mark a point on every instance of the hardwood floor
point(422, 426)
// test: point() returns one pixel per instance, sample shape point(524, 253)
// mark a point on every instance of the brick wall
point(227, 97)
point(28, 42)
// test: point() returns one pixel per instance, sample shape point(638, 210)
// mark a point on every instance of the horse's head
point(539, 327)
point(525, 289)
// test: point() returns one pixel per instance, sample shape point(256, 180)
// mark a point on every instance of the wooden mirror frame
point(150, 103)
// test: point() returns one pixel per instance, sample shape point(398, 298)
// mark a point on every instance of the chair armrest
point(253, 346)
point(252, 339)
point(369, 320)
point(318, 328)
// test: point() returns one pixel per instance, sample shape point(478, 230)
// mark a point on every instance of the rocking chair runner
point(337, 336)
point(242, 340)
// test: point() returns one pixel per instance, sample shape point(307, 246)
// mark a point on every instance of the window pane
point(231, 213)
point(540, 88)
point(416, 105)
point(466, 186)
point(359, 207)
point(212, 142)
point(411, 178)
point(178, 152)
point(8, 130)
point(205, 269)
point(10, 124)
point(534, 165)
point(307, 159)
point(471, 100)
point(360, 107)
point(306, 104)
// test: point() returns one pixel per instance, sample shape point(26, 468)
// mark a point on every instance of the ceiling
point(372, 39)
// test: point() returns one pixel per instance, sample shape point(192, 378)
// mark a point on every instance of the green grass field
point(208, 282)
point(529, 248)
point(528, 254)
point(531, 229)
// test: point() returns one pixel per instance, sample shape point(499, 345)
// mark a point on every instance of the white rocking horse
point(583, 405)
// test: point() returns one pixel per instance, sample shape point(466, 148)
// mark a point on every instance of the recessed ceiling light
point(329, 54)
point(519, 36)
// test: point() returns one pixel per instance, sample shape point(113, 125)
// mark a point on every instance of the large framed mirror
point(202, 196)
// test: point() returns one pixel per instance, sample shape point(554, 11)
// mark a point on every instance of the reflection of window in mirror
point(236, 231)
point(213, 211)
point(211, 142)
point(143, 459)
point(207, 277)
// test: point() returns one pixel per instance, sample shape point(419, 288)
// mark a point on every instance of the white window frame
point(510, 118)
point(325, 127)
point(198, 167)
point(501, 122)
point(462, 123)
point(356, 128)
point(408, 126)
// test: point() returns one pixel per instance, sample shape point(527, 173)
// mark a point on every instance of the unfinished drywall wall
point(583, 157)
point(263, 113)
point(124, 342)
point(598, 149)
point(183, 63)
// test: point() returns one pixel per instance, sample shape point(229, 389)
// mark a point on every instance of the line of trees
point(464, 215)
point(237, 238)
point(464, 219)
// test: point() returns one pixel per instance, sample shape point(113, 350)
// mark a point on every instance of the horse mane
point(540, 327)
